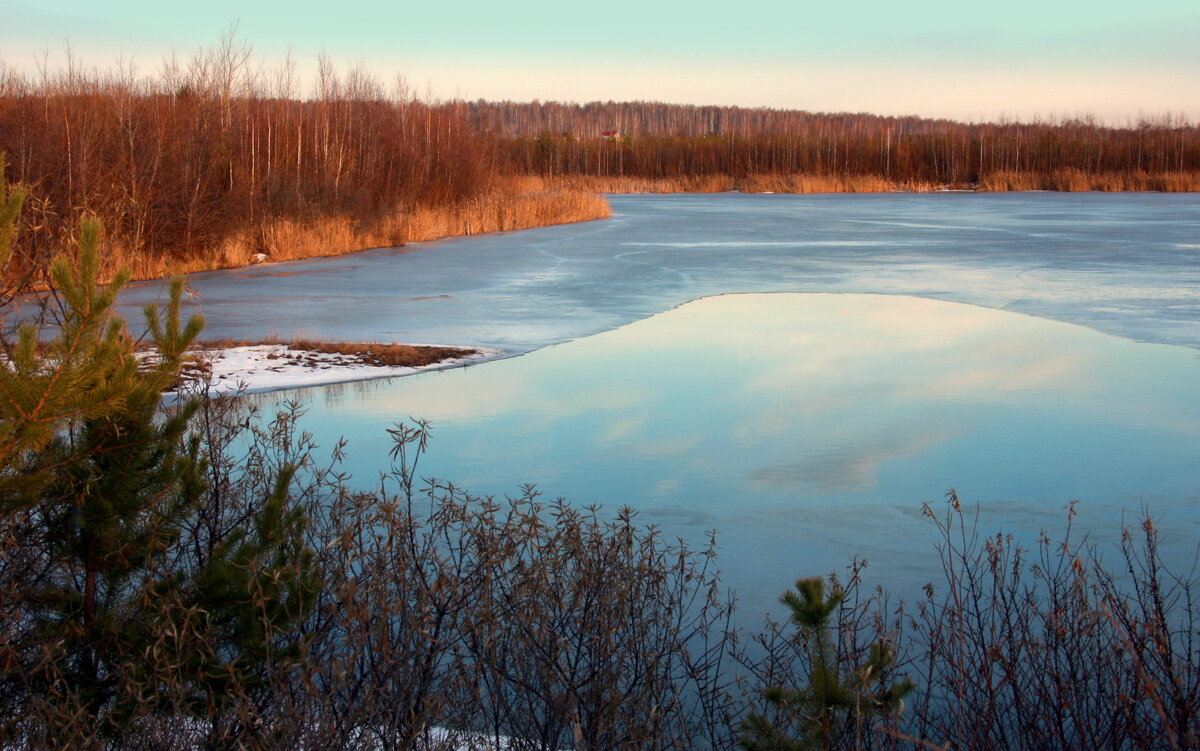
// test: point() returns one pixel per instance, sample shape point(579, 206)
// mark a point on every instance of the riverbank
point(527, 202)
point(502, 209)
point(224, 368)
point(1059, 180)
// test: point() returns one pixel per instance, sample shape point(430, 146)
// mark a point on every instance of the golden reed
point(498, 210)
point(522, 202)
point(1057, 180)
point(1078, 180)
point(754, 183)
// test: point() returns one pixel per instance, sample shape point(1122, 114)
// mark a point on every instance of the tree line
point(213, 159)
point(211, 149)
point(655, 140)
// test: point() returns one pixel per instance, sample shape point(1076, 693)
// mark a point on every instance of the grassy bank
point(379, 354)
point(498, 210)
point(1075, 180)
point(1058, 180)
point(756, 183)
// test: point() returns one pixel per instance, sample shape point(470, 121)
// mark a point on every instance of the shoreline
point(1062, 180)
point(281, 239)
point(274, 366)
point(573, 199)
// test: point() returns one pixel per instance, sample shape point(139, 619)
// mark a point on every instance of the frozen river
point(806, 429)
point(1126, 264)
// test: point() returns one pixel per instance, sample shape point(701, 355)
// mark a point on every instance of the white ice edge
point(253, 370)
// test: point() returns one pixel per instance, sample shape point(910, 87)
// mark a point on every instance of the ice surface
point(1123, 263)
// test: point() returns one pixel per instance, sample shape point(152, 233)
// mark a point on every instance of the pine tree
point(108, 610)
point(256, 588)
point(104, 479)
point(819, 711)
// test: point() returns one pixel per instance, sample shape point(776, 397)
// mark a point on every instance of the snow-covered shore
point(272, 367)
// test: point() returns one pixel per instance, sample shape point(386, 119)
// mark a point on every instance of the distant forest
point(212, 160)
point(651, 139)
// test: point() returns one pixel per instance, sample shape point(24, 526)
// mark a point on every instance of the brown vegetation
point(1051, 646)
point(290, 240)
point(1068, 179)
point(505, 210)
point(212, 161)
point(754, 183)
point(670, 141)
point(198, 360)
point(379, 354)
point(530, 625)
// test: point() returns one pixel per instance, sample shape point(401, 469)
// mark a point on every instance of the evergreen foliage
point(255, 587)
point(836, 701)
point(101, 488)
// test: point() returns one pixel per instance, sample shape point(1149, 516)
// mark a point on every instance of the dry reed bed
point(380, 354)
point(1058, 180)
point(498, 210)
point(755, 183)
point(197, 364)
point(1074, 180)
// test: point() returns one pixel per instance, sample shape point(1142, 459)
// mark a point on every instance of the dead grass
point(504, 211)
point(801, 183)
point(197, 365)
point(629, 184)
point(1072, 180)
point(379, 354)
point(717, 183)
point(1065, 179)
point(756, 183)
point(1008, 181)
point(512, 205)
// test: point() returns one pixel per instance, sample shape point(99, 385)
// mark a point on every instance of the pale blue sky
point(958, 59)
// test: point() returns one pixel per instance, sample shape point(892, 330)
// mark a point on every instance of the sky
point(1018, 60)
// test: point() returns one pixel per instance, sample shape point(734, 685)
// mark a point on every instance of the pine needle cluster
point(831, 709)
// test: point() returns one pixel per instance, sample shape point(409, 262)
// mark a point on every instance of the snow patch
point(272, 367)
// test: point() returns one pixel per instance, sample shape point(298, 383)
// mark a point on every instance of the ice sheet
point(1123, 263)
